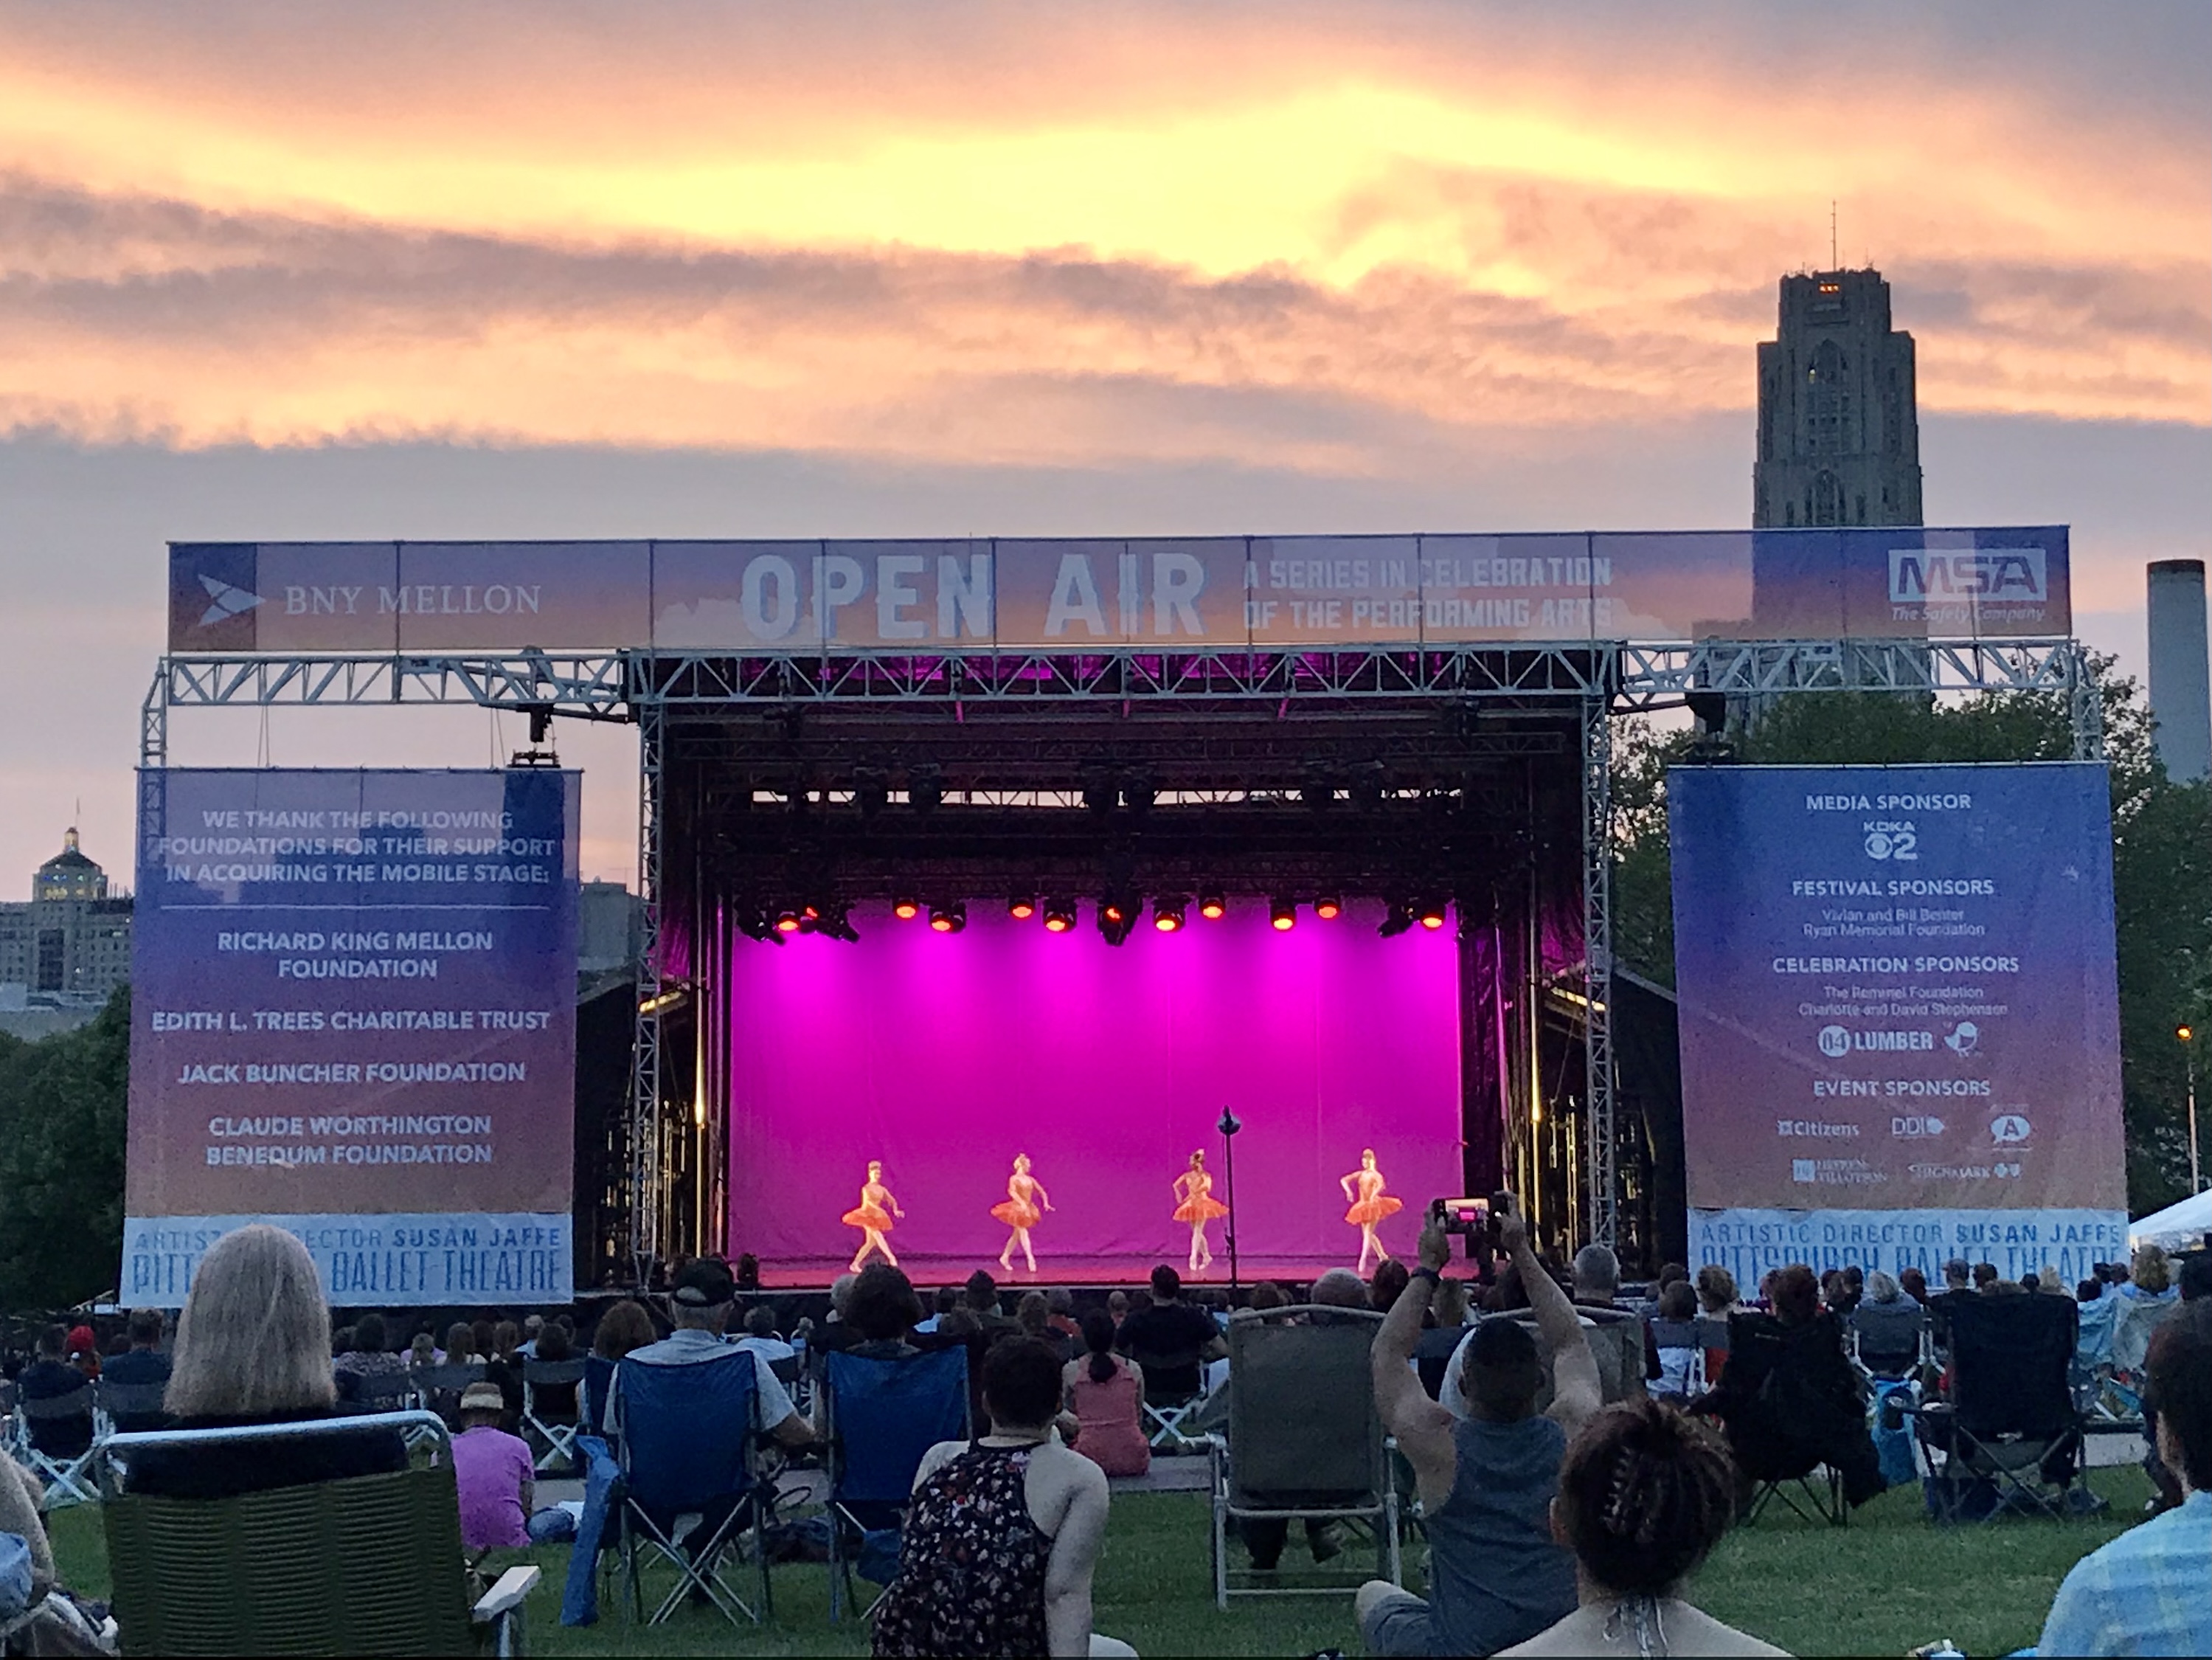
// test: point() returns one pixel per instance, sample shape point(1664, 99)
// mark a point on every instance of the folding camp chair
point(599, 1378)
point(385, 1392)
point(370, 1565)
point(1712, 1351)
point(2011, 1437)
point(1166, 1408)
point(688, 1434)
point(882, 1415)
point(565, 1379)
point(1888, 1339)
point(1304, 1442)
point(124, 1408)
point(440, 1386)
point(67, 1474)
point(1795, 1417)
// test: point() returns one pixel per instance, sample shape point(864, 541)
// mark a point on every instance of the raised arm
point(1576, 1391)
point(1424, 1429)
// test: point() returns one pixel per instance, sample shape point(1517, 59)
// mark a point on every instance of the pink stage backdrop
point(945, 1054)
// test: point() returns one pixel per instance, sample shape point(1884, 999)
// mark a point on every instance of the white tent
point(2184, 1223)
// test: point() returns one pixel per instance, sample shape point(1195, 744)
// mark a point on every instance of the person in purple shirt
point(494, 1473)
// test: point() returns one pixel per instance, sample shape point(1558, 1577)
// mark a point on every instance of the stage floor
point(1105, 1272)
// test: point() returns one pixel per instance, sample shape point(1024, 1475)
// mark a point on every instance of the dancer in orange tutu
point(1369, 1205)
point(1025, 1203)
point(872, 1216)
point(1196, 1205)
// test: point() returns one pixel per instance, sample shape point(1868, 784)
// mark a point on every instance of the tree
point(2162, 859)
point(61, 1161)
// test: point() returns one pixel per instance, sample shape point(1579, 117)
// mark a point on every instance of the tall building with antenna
point(1838, 425)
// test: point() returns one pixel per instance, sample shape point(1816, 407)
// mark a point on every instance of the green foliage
point(2161, 861)
point(61, 1161)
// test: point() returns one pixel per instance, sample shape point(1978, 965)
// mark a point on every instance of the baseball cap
point(705, 1284)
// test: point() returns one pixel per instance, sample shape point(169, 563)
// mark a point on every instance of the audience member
point(1496, 1576)
point(761, 1336)
point(1173, 1338)
point(1957, 1275)
point(1003, 1535)
point(2150, 1277)
point(1675, 1333)
point(1986, 1277)
point(1033, 1314)
point(1440, 1340)
point(948, 1299)
point(494, 1472)
point(1388, 1285)
point(422, 1352)
point(1341, 1288)
point(533, 1325)
point(1913, 1284)
point(1268, 1295)
point(882, 1312)
point(1106, 1394)
point(625, 1326)
point(554, 1403)
point(980, 1298)
point(142, 1365)
point(2047, 1280)
point(1889, 1324)
point(1060, 1304)
point(1645, 1493)
point(1716, 1292)
point(1668, 1273)
point(2145, 1593)
point(366, 1358)
point(460, 1344)
point(699, 1306)
point(483, 1340)
point(84, 1350)
point(1117, 1306)
point(51, 1377)
point(252, 1347)
point(22, 1513)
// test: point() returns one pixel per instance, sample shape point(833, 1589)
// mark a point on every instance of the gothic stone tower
point(1838, 434)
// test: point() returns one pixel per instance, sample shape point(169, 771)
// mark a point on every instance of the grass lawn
point(1887, 1583)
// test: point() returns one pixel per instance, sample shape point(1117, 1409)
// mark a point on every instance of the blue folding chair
point(688, 1434)
point(599, 1375)
point(882, 1415)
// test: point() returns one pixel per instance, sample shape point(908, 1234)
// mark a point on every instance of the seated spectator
point(366, 1357)
point(1117, 1307)
point(1172, 1339)
point(1675, 1333)
point(625, 1326)
point(833, 1334)
point(1033, 1314)
point(1913, 1284)
point(84, 1350)
point(980, 1298)
point(882, 1313)
point(1889, 1324)
point(51, 1377)
point(1003, 1535)
point(253, 1346)
point(494, 1472)
point(1716, 1300)
point(1440, 1340)
point(2145, 1593)
point(761, 1336)
point(143, 1366)
point(1496, 1575)
point(948, 1299)
point(2093, 1341)
point(422, 1352)
point(23, 1514)
point(1645, 1493)
point(699, 1306)
point(1106, 1394)
point(533, 1325)
point(1388, 1286)
point(1341, 1288)
point(1987, 1280)
point(1597, 1286)
point(2150, 1277)
point(554, 1403)
point(1059, 1306)
point(2047, 1281)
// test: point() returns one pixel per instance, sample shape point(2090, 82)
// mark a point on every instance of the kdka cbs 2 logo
point(1936, 585)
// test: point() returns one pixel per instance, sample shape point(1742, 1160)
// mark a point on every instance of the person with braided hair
point(1645, 1491)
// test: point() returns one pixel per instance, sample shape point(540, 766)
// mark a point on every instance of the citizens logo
point(1964, 1038)
point(2010, 1129)
point(1916, 1127)
point(1950, 575)
point(1817, 1128)
point(1836, 1042)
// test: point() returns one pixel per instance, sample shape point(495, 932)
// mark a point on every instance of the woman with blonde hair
point(2150, 1276)
point(253, 1346)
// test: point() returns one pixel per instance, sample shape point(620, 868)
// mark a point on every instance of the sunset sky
point(298, 271)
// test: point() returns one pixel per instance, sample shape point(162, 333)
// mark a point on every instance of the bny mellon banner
point(1899, 1016)
point(353, 1015)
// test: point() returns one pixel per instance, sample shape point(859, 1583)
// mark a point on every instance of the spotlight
point(1115, 918)
point(1059, 915)
point(1397, 917)
point(1212, 907)
point(835, 922)
point(1283, 914)
point(788, 919)
point(1112, 911)
point(1021, 908)
point(949, 919)
point(1431, 914)
point(1167, 915)
point(1329, 907)
point(906, 909)
point(925, 789)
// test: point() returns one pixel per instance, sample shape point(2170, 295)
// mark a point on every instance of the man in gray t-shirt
point(1496, 1575)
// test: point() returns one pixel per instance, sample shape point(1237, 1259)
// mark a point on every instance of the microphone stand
point(1228, 1124)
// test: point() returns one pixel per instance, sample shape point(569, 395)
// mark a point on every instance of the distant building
point(1838, 422)
point(62, 952)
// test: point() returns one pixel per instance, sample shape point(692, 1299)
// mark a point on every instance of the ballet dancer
point(872, 1216)
point(1196, 1205)
point(1025, 1203)
point(1369, 1205)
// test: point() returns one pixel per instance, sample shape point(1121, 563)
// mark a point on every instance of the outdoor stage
point(1099, 1275)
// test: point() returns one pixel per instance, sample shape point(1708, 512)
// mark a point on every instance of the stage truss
point(646, 687)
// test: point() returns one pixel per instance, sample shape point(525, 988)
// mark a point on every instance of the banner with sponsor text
point(1900, 1015)
point(353, 1015)
point(1173, 593)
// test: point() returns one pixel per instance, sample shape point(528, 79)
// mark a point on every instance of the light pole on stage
point(1228, 1124)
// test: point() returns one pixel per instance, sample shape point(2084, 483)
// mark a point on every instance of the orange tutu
point(1200, 1207)
point(1368, 1212)
point(868, 1216)
point(1016, 1214)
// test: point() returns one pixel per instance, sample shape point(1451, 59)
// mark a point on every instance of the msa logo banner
point(1950, 575)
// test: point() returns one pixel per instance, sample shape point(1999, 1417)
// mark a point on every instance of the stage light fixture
point(1113, 911)
point(1329, 907)
point(1138, 792)
point(906, 909)
point(1397, 918)
point(835, 922)
point(788, 919)
point(925, 789)
point(1058, 917)
point(1167, 915)
point(1021, 908)
point(1431, 914)
point(949, 919)
point(1283, 914)
point(1212, 907)
point(871, 790)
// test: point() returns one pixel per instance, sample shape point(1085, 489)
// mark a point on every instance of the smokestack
point(2180, 679)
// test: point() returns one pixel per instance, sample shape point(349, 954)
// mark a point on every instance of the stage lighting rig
point(949, 919)
point(835, 921)
point(906, 907)
point(871, 790)
point(1212, 906)
point(788, 921)
point(1397, 918)
point(1138, 792)
point(1100, 791)
point(1168, 916)
point(925, 789)
point(1329, 907)
point(1021, 907)
point(1115, 918)
point(1283, 915)
point(1059, 915)
point(1431, 914)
